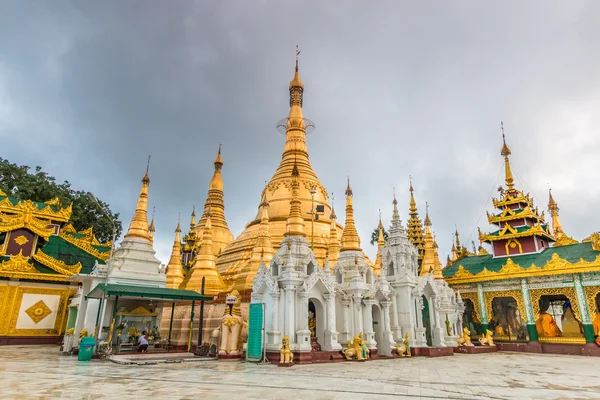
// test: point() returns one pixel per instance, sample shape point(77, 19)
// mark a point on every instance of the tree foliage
point(23, 183)
point(375, 235)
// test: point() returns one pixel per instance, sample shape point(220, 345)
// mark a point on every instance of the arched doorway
point(316, 322)
point(427, 321)
point(377, 324)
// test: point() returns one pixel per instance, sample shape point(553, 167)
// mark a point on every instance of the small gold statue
point(404, 348)
point(465, 338)
point(285, 354)
point(354, 350)
point(363, 345)
point(487, 340)
point(312, 324)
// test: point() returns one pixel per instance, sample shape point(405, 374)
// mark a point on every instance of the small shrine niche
point(471, 320)
point(506, 321)
point(557, 317)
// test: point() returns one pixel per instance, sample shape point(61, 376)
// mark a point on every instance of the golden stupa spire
point(222, 236)
point(505, 152)
point(415, 226)
point(395, 214)
point(380, 244)
point(350, 239)
point(205, 265)
point(174, 269)
point(138, 228)
point(151, 228)
point(561, 237)
point(193, 220)
point(295, 221)
point(437, 264)
point(333, 247)
point(458, 246)
point(263, 248)
point(428, 263)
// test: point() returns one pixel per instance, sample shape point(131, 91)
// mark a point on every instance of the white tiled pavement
point(39, 372)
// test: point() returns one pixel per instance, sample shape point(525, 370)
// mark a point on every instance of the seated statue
point(285, 354)
point(545, 324)
point(354, 350)
point(596, 324)
point(231, 326)
point(404, 348)
point(487, 340)
point(571, 326)
point(465, 338)
point(312, 324)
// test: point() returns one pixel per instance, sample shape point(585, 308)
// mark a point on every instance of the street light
point(93, 198)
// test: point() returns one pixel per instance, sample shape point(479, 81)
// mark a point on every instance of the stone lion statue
point(232, 325)
point(404, 348)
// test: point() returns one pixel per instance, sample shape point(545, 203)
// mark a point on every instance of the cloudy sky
point(88, 89)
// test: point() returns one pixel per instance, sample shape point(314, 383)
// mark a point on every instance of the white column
point(345, 335)
point(385, 348)
point(420, 339)
point(288, 328)
point(396, 329)
point(437, 331)
point(369, 332)
point(331, 334)
point(274, 336)
point(303, 334)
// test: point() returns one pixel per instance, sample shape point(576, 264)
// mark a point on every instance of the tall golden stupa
point(234, 262)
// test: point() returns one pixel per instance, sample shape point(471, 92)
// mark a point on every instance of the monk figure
point(596, 324)
point(545, 325)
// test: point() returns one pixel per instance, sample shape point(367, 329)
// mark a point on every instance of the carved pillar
point(482, 311)
point(396, 330)
point(385, 347)
point(357, 313)
point(288, 329)
point(303, 334)
point(438, 332)
point(533, 335)
point(274, 335)
point(331, 334)
point(588, 329)
point(345, 335)
point(368, 330)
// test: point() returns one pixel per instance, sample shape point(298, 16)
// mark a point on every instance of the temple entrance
point(316, 323)
point(377, 324)
point(427, 321)
point(471, 319)
point(506, 322)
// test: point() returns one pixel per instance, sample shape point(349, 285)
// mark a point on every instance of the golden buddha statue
point(596, 324)
point(570, 325)
point(545, 324)
point(312, 323)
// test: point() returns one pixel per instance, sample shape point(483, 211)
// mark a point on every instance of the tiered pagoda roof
point(415, 227)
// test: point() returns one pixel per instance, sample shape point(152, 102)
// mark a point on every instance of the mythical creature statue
point(285, 354)
point(354, 350)
point(487, 340)
point(363, 346)
point(404, 348)
point(465, 338)
point(231, 326)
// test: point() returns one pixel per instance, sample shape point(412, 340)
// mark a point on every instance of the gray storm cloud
point(89, 89)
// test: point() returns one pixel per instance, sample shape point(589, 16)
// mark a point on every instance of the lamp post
point(91, 196)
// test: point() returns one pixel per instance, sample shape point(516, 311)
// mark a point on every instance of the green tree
point(375, 235)
point(23, 183)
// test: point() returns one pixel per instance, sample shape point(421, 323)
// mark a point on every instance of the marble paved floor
point(39, 372)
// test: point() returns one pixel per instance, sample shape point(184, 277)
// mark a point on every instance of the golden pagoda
point(138, 227)
point(431, 260)
point(415, 226)
point(278, 193)
point(174, 268)
point(221, 235)
point(204, 265)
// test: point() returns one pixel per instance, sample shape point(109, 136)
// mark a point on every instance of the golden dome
point(278, 193)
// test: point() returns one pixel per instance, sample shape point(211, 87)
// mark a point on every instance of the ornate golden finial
point(505, 152)
point(427, 220)
point(348, 188)
point(193, 221)
point(297, 54)
point(138, 228)
point(151, 228)
point(413, 203)
point(350, 238)
point(458, 246)
point(395, 214)
point(218, 160)
point(178, 229)
point(332, 216)
point(561, 237)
